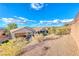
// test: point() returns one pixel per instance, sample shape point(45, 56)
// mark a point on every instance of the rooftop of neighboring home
point(39, 29)
point(29, 29)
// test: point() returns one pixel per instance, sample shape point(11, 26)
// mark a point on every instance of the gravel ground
point(62, 46)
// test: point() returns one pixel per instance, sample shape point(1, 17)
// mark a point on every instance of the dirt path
point(61, 46)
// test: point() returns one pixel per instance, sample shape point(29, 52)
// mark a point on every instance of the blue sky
point(37, 14)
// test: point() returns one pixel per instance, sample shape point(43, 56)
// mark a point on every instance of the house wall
point(24, 30)
point(2, 33)
point(75, 32)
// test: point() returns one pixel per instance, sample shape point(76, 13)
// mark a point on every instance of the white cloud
point(19, 17)
point(67, 20)
point(11, 20)
point(18, 20)
point(37, 6)
point(25, 19)
point(21, 20)
point(56, 21)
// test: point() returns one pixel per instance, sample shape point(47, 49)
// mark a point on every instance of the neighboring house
point(2, 33)
point(37, 29)
point(3, 36)
point(41, 30)
point(22, 32)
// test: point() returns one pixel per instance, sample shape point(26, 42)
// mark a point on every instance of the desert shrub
point(38, 37)
point(5, 41)
point(51, 30)
point(62, 31)
point(59, 30)
point(13, 47)
point(44, 32)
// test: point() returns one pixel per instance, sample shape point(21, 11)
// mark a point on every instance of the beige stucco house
point(22, 32)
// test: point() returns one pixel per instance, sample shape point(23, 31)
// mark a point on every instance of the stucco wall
point(75, 32)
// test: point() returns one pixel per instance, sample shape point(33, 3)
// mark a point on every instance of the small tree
point(10, 26)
